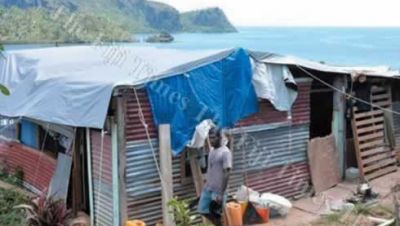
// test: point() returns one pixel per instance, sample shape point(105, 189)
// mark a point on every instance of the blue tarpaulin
point(221, 91)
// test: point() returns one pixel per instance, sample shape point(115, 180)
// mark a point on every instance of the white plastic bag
point(277, 202)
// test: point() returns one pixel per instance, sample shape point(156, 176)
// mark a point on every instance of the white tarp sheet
point(271, 58)
point(73, 85)
point(274, 82)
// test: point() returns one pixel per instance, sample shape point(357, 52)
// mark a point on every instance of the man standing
point(217, 178)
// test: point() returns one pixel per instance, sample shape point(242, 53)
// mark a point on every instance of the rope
point(346, 94)
point(146, 127)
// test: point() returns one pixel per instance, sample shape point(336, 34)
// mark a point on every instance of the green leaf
point(4, 90)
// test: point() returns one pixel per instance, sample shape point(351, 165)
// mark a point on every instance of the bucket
point(234, 214)
point(263, 213)
point(243, 206)
point(135, 223)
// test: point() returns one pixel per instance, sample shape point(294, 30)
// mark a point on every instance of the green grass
point(9, 216)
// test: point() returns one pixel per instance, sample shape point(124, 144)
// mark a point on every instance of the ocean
point(333, 45)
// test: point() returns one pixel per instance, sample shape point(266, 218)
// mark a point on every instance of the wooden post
point(121, 114)
point(76, 173)
point(115, 174)
point(164, 132)
point(196, 172)
point(339, 121)
point(396, 202)
point(90, 178)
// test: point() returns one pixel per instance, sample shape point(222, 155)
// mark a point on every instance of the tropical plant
point(46, 211)
point(3, 89)
point(8, 215)
point(181, 212)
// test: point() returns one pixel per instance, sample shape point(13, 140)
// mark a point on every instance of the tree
point(3, 89)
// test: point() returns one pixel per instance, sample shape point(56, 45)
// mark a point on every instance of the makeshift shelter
point(106, 107)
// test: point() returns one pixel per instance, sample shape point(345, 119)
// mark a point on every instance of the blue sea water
point(334, 45)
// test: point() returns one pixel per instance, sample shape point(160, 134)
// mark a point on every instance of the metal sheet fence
point(258, 155)
point(254, 150)
point(102, 179)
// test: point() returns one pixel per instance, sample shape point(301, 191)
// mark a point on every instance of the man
point(219, 167)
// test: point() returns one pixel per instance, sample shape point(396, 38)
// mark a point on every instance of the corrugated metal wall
point(143, 183)
point(37, 166)
point(268, 114)
point(283, 147)
point(254, 150)
point(396, 119)
point(102, 178)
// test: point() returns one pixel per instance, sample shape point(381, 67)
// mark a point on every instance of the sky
point(301, 12)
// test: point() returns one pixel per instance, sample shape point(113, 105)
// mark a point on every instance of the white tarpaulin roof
point(379, 71)
point(73, 85)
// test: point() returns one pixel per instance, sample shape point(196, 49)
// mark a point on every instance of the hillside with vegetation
point(37, 25)
point(113, 20)
point(207, 20)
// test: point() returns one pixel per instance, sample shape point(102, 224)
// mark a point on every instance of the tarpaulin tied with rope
point(221, 91)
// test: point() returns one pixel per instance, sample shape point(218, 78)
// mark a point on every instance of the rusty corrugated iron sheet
point(134, 127)
point(268, 114)
point(281, 147)
point(37, 166)
point(102, 178)
point(135, 130)
point(283, 144)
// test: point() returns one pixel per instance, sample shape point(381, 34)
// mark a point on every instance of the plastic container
point(234, 214)
point(135, 223)
point(264, 213)
point(243, 206)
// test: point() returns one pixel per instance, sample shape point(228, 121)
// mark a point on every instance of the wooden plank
point(372, 144)
point(358, 150)
point(114, 173)
point(90, 176)
point(196, 172)
point(339, 122)
point(164, 133)
point(372, 136)
point(381, 172)
point(76, 172)
point(382, 103)
point(368, 114)
point(369, 121)
point(374, 159)
point(374, 151)
point(378, 157)
point(380, 165)
point(378, 127)
point(376, 89)
point(381, 96)
point(121, 114)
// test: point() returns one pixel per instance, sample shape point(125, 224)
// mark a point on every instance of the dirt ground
point(313, 211)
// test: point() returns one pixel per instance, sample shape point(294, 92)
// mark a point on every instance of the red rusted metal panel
point(268, 114)
point(134, 126)
point(38, 167)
